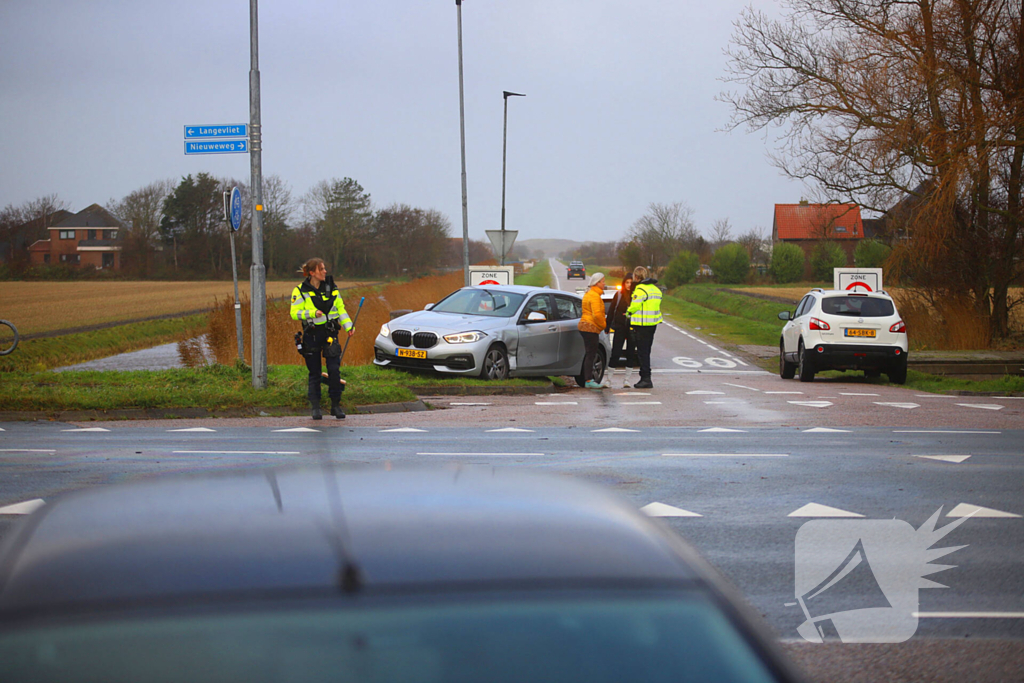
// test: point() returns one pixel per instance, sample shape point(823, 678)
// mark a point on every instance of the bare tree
point(278, 213)
point(141, 212)
point(919, 102)
point(721, 232)
point(662, 232)
point(755, 241)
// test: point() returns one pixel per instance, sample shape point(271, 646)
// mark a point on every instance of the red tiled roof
point(815, 221)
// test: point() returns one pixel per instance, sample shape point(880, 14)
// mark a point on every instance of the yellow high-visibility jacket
point(304, 309)
point(646, 306)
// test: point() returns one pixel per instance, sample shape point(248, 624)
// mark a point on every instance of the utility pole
point(504, 138)
point(462, 136)
point(257, 272)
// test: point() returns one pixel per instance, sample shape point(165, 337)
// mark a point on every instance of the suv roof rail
point(817, 289)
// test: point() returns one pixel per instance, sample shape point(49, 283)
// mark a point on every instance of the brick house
point(806, 224)
point(90, 237)
point(15, 243)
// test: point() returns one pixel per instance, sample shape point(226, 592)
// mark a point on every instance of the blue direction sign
point(217, 147)
point(223, 130)
point(235, 210)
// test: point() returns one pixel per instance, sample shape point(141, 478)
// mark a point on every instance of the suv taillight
point(899, 327)
point(819, 324)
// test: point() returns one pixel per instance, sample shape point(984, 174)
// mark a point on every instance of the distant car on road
point(576, 269)
point(395, 576)
point(842, 330)
point(495, 332)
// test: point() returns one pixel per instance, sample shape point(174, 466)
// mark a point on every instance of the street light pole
point(504, 139)
point(462, 136)
point(257, 272)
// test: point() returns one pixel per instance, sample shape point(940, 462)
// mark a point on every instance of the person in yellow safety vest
point(319, 306)
point(644, 315)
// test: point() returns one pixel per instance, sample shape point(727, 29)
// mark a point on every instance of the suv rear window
point(857, 306)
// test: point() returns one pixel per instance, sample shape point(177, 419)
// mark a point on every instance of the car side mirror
point(428, 307)
point(785, 315)
point(535, 317)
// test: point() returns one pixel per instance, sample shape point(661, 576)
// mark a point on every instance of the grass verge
point(538, 276)
point(215, 387)
point(33, 355)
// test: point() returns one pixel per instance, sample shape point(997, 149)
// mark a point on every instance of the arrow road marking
point(945, 458)
point(721, 429)
point(818, 510)
point(663, 510)
point(87, 429)
point(23, 508)
point(298, 430)
point(510, 429)
point(823, 430)
point(983, 406)
point(401, 429)
point(812, 404)
point(888, 404)
point(968, 510)
point(193, 429)
point(614, 429)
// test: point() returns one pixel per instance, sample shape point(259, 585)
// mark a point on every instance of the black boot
point(336, 410)
point(643, 384)
point(314, 407)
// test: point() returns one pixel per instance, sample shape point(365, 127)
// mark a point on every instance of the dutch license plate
point(411, 353)
point(853, 332)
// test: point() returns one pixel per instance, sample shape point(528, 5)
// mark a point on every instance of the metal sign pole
point(230, 223)
point(462, 138)
point(257, 273)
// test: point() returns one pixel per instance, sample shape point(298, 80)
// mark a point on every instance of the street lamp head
point(506, 94)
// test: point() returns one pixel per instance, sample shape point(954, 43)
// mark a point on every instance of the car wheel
point(806, 367)
point(786, 369)
point(495, 365)
point(898, 371)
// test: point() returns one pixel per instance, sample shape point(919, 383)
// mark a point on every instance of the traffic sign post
point(857, 279)
point(491, 275)
point(502, 241)
point(233, 217)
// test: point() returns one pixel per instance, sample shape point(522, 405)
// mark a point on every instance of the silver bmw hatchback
point(495, 332)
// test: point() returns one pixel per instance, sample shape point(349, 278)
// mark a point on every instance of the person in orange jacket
point(591, 324)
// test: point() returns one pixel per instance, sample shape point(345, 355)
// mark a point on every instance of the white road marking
point(555, 403)
point(934, 396)
point(938, 431)
point(720, 362)
point(662, 510)
point(968, 615)
point(87, 429)
point(851, 394)
point(945, 458)
point(739, 361)
point(236, 452)
point(640, 403)
point(721, 429)
point(193, 429)
point(1012, 398)
point(707, 371)
point(481, 454)
point(614, 429)
point(823, 430)
point(713, 348)
point(686, 362)
point(968, 510)
point(701, 392)
point(23, 508)
point(811, 404)
point(731, 401)
point(741, 386)
point(510, 429)
point(298, 430)
point(401, 429)
point(894, 404)
point(818, 510)
point(982, 406)
point(2, 429)
point(784, 392)
point(725, 455)
point(469, 404)
point(634, 393)
point(26, 450)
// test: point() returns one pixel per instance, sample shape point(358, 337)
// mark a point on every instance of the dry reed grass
point(281, 329)
point(48, 306)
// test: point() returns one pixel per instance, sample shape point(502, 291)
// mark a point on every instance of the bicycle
point(4, 349)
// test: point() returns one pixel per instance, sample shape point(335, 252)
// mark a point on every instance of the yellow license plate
point(411, 353)
point(860, 333)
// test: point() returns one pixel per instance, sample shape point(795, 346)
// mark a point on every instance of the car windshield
point(667, 638)
point(493, 303)
point(857, 306)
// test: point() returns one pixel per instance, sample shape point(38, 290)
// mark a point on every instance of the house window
point(67, 234)
point(92, 234)
point(70, 259)
point(840, 228)
point(46, 258)
point(111, 234)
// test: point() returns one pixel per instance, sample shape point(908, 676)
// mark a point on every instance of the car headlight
point(464, 337)
point(385, 331)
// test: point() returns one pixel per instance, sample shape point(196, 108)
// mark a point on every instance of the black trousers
point(622, 337)
point(316, 342)
point(643, 337)
point(590, 344)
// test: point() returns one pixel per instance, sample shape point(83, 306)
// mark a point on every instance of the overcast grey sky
point(619, 112)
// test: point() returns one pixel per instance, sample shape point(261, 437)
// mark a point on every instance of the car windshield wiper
point(494, 301)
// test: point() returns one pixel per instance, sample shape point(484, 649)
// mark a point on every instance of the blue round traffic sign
point(236, 209)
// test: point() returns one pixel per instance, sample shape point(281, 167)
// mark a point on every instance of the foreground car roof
point(272, 531)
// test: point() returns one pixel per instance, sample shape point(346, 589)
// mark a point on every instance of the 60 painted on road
point(687, 362)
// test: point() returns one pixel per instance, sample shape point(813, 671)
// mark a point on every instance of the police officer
point(318, 305)
point(645, 314)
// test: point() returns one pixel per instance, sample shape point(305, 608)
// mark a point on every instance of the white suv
point(842, 330)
